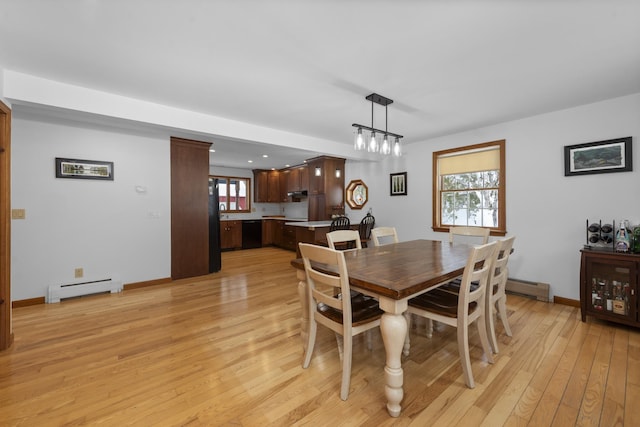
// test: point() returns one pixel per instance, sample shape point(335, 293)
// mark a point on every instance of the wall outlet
point(78, 273)
point(18, 214)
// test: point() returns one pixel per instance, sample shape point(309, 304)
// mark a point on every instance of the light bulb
point(359, 141)
point(385, 148)
point(397, 150)
point(373, 144)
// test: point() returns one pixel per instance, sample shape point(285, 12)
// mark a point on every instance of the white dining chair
point(347, 317)
point(384, 235)
point(462, 309)
point(496, 295)
point(344, 239)
point(473, 235)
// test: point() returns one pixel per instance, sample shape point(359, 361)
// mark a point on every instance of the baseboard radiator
point(56, 293)
point(539, 291)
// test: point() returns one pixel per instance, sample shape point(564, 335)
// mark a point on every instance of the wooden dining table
point(394, 273)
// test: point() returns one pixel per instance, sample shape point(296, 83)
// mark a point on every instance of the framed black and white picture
point(84, 169)
point(398, 184)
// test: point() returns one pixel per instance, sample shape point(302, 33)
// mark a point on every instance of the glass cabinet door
point(611, 288)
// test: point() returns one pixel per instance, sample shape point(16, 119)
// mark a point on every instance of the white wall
point(109, 229)
point(104, 227)
point(546, 211)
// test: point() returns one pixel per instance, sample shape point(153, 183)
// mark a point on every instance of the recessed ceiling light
point(286, 166)
point(250, 161)
point(211, 150)
point(265, 155)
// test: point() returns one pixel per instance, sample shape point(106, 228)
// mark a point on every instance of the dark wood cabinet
point(268, 231)
point(298, 178)
point(609, 286)
point(326, 179)
point(266, 186)
point(189, 208)
point(230, 234)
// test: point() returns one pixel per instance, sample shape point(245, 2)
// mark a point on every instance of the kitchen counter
point(311, 225)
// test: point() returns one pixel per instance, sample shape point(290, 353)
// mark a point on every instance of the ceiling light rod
point(380, 100)
point(395, 135)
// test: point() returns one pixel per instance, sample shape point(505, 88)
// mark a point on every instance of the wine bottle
point(622, 237)
point(607, 228)
point(594, 228)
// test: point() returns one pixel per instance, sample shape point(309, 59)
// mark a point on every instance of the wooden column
point(6, 333)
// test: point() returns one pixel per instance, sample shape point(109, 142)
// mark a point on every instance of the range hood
point(297, 194)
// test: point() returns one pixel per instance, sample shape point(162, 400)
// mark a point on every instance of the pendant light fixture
point(372, 145)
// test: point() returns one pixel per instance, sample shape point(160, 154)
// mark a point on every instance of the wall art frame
point(84, 169)
point(612, 155)
point(398, 184)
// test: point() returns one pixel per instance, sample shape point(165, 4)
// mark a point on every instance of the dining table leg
point(393, 327)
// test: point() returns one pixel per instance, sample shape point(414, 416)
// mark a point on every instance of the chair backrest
point(477, 270)
point(499, 271)
point(479, 235)
point(366, 225)
point(384, 235)
point(350, 239)
point(326, 268)
point(340, 223)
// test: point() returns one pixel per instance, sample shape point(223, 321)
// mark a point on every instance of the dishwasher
point(251, 233)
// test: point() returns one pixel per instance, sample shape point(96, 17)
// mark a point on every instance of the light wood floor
point(227, 351)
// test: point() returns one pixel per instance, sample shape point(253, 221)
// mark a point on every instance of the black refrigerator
point(215, 261)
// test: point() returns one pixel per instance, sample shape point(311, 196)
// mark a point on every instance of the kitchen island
point(314, 232)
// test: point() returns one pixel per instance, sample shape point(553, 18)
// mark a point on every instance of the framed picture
point(613, 155)
point(83, 169)
point(398, 185)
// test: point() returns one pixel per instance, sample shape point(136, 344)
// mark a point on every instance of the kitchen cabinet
point(268, 231)
point(326, 187)
point(230, 234)
point(266, 186)
point(298, 178)
point(609, 286)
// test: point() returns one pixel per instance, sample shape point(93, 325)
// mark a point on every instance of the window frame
point(248, 184)
point(437, 225)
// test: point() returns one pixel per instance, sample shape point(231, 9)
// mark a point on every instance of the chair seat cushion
point(454, 286)
point(441, 302)
point(363, 309)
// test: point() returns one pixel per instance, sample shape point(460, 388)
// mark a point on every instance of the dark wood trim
point(566, 301)
point(6, 333)
point(146, 283)
point(28, 302)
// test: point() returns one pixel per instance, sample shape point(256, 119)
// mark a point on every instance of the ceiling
point(305, 67)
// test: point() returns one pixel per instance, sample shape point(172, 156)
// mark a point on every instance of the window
point(233, 194)
point(469, 187)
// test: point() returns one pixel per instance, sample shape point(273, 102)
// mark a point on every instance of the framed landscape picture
point(398, 185)
point(83, 169)
point(613, 155)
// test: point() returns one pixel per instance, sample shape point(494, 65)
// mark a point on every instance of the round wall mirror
point(357, 194)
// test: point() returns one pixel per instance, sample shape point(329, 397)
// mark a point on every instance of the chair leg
point(311, 340)
point(339, 339)
point(463, 349)
point(369, 339)
point(346, 368)
point(482, 332)
point(502, 310)
point(491, 328)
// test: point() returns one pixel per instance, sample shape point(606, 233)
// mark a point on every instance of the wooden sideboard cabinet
point(609, 286)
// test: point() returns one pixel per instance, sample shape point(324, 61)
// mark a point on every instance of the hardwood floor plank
point(224, 349)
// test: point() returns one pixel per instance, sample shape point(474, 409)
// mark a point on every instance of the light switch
point(18, 213)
